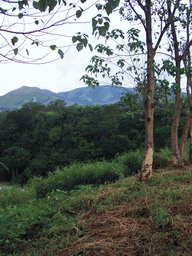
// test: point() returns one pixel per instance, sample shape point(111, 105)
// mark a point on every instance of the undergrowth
point(100, 209)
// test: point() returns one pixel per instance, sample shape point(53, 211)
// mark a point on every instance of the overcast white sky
point(62, 75)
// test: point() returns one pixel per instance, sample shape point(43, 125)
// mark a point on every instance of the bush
point(77, 174)
point(132, 162)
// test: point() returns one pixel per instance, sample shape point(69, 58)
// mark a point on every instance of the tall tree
point(146, 11)
point(180, 52)
point(176, 157)
point(187, 66)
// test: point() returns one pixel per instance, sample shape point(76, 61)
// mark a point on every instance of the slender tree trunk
point(175, 153)
point(187, 65)
point(184, 134)
point(146, 170)
point(189, 119)
point(190, 148)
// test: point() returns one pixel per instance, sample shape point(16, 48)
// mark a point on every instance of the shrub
point(77, 174)
point(132, 162)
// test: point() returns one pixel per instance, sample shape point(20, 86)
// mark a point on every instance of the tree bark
point(187, 65)
point(184, 134)
point(190, 149)
point(146, 170)
point(175, 153)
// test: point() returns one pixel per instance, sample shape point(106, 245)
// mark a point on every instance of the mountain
point(103, 95)
point(17, 98)
point(81, 96)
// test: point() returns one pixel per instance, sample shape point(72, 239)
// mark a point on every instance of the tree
point(16, 159)
point(146, 12)
point(56, 105)
point(187, 66)
point(176, 157)
point(179, 48)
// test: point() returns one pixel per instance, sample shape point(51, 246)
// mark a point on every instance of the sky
point(63, 74)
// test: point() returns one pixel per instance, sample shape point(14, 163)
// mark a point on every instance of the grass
point(120, 217)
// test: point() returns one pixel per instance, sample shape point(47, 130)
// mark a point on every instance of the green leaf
point(108, 8)
point(83, 1)
point(36, 5)
point(84, 41)
point(35, 43)
point(111, 5)
point(53, 47)
point(27, 52)
point(42, 5)
point(100, 20)
point(106, 18)
point(79, 47)
point(74, 39)
point(15, 51)
point(106, 25)
point(36, 22)
point(63, 2)
point(102, 31)
point(114, 3)
point(14, 40)
point(90, 47)
point(79, 13)
point(21, 3)
point(14, 8)
point(61, 53)
point(20, 15)
point(52, 4)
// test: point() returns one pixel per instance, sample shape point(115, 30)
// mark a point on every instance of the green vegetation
point(93, 209)
point(37, 139)
point(78, 168)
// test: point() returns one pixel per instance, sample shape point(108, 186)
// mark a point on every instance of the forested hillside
point(36, 138)
point(104, 95)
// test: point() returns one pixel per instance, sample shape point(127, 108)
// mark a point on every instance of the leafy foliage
point(36, 139)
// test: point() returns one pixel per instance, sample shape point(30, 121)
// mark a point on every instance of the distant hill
point(103, 95)
point(17, 98)
point(81, 96)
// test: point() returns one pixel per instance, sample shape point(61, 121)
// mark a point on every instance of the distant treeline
point(37, 138)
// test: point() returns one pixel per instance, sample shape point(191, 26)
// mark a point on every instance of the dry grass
point(124, 218)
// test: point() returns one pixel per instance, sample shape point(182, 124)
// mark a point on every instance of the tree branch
point(183, 56)
point(141, 5)
point(137, 13)
point(171, 15)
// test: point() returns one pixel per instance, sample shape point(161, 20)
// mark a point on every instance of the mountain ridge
point(103, 95)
